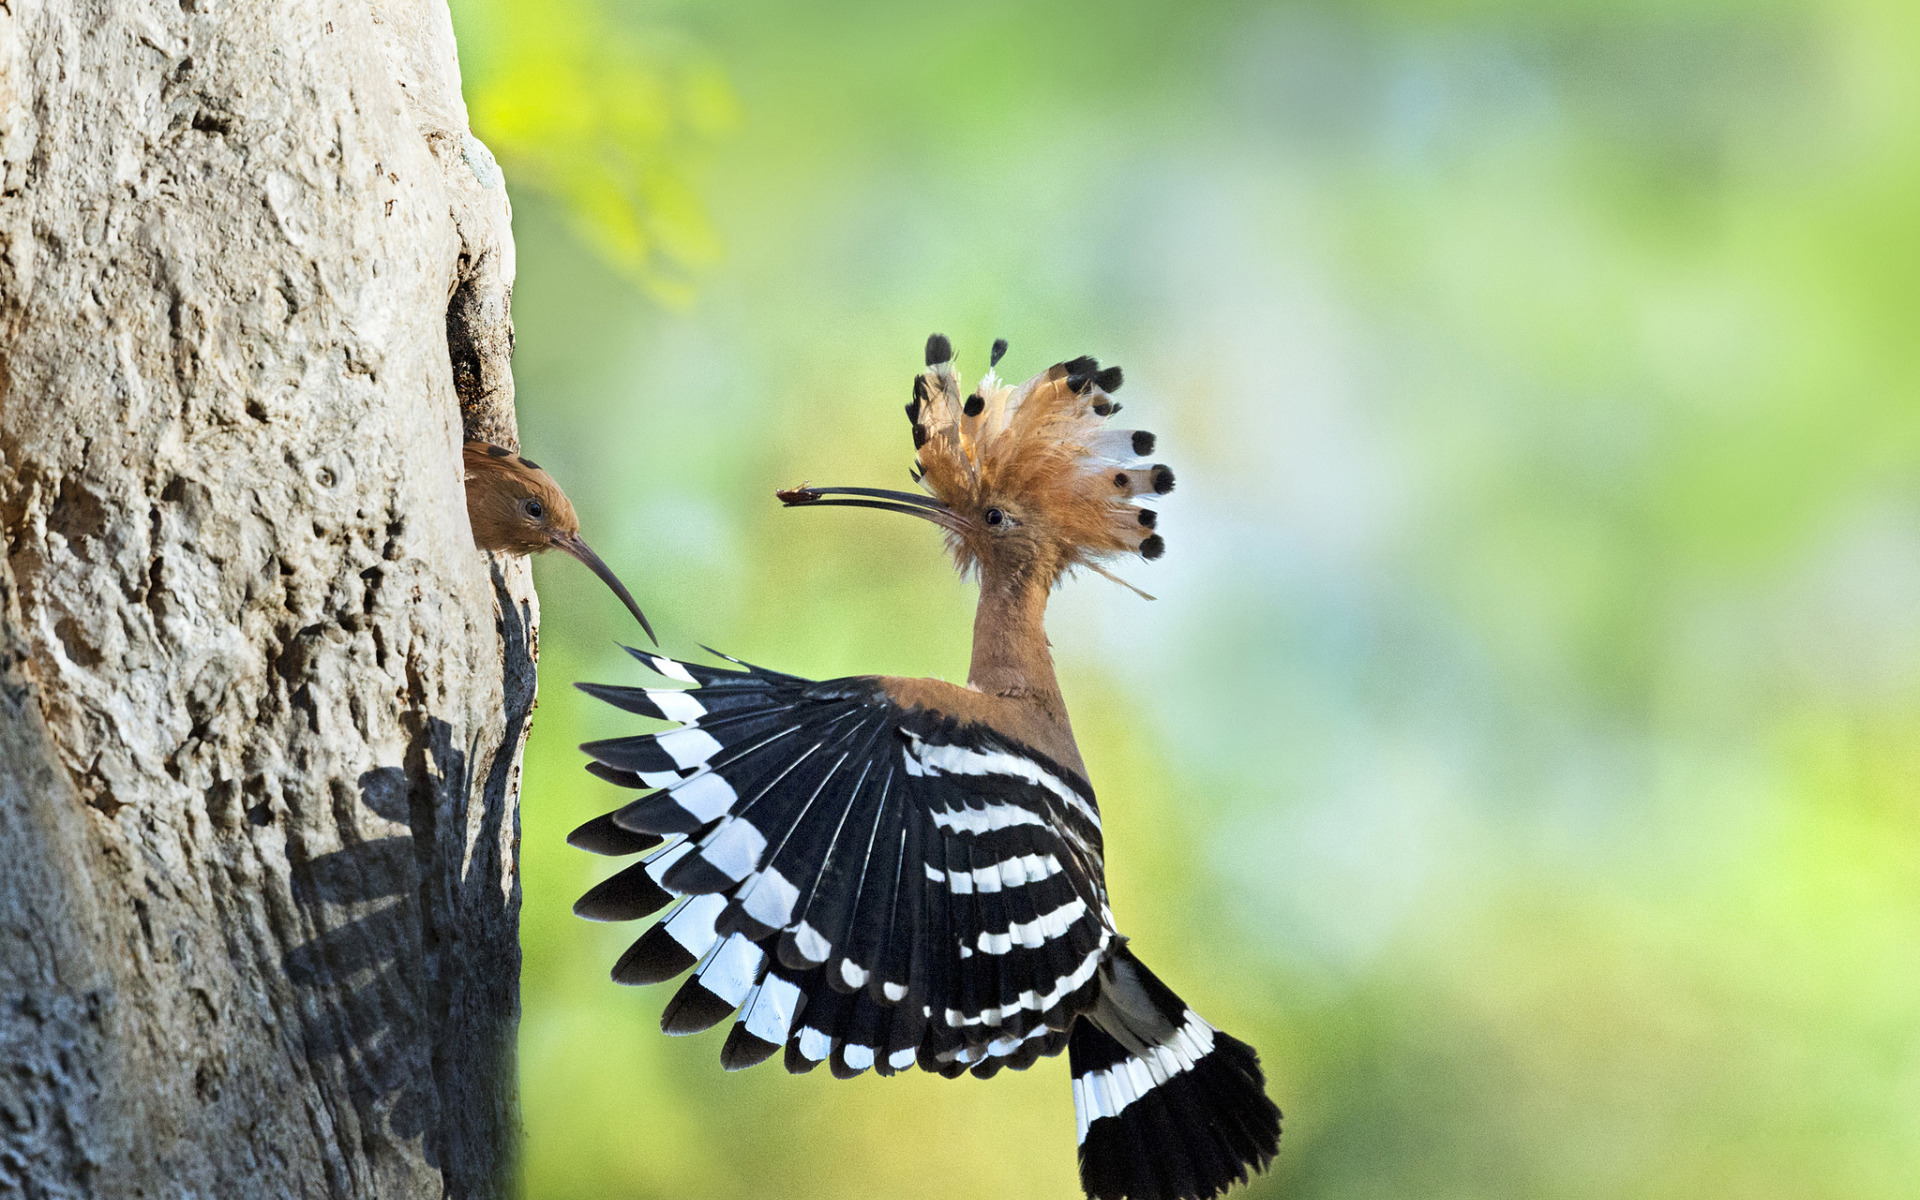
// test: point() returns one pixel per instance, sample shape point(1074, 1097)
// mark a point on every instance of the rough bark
point(261, 701)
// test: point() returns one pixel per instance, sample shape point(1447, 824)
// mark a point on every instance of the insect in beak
point(577, 546)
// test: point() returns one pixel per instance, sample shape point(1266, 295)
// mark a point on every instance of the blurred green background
point(1522, 750)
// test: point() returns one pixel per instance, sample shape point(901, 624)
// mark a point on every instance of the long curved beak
point(575, 545)
point(889, 501)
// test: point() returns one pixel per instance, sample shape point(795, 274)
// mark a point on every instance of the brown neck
point(1010, 655)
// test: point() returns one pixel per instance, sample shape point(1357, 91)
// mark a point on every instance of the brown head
point(517, 508)
point(1027, 481)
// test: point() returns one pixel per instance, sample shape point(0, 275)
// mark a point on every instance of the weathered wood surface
point(261, 702)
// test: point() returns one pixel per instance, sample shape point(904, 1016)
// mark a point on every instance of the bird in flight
point(882, 872)
point(515, 507)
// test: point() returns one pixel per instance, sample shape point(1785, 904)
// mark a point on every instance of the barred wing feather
point(859, 883)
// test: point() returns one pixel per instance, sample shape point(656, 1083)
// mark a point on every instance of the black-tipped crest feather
point(1032, 450)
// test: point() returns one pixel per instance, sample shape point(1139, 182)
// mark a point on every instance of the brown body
point(1010, 686)
point(514, 507)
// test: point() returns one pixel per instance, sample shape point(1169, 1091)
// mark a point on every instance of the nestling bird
point(517, 508)
point(883, 872)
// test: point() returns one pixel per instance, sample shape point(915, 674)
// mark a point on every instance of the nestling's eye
point(993, 516)
point(534, 509)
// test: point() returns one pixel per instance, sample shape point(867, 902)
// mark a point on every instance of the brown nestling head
point(515, 507)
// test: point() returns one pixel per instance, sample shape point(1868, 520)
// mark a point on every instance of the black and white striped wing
point(863, 883)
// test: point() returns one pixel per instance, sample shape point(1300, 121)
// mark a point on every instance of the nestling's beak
point(900, 502)
point(575, 545)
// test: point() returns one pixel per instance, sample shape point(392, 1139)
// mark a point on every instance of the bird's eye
point(535, 509)
point(994, 516)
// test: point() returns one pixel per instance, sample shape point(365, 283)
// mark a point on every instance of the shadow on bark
point(427, 1024)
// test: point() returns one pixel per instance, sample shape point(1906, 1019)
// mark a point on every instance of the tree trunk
point(261, 701)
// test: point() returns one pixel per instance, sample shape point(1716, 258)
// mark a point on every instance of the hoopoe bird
point(515, 507)
point(879, 872)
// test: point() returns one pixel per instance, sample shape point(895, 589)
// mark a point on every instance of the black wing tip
point(694, 875)
point(653, 815)
point(627, 896)
point(693, 1009)
point(654, 958)
point(615, 776)
point(632, 754)
point(939, 350)
point(795, 1062)
point(627, 699)
point(745, 1050)
point(602, 836)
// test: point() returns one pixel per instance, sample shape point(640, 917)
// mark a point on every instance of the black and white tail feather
point(873, 886)
point(1167, 1105)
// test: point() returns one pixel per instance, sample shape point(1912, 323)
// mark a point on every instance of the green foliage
point(1521, 751)
point(609, 120)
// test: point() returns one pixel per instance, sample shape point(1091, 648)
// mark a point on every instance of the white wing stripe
point(677, 705)
point(692, 925)
point(1027, 1000)
point(958, 760)
point(671, 669)
point(1017, 871)
point(985, 820)
point(729, 974)
point(1000, 1047)
point(811, 945)
point(771, 1017)
point(814, 1045)
point(1035, 933)
point(689, 746)
point(705, 796)
point(770, 899)
point(734, 849)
